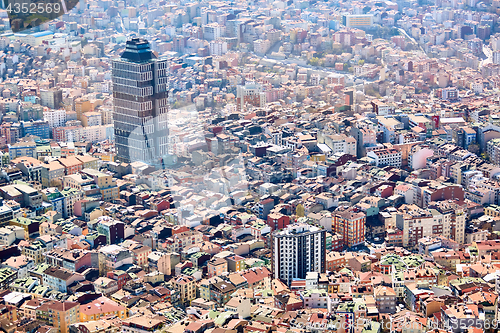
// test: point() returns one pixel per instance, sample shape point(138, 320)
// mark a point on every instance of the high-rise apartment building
point(140, 104)
point(51, 98)
point(55, 118)
point(297, 250)
point(444, 218)
point(453, 214)
point(250, 94)
point(350, 225)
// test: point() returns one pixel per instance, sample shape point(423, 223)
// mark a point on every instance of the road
point(401, 30)
point(489, 56)
point(121, 24)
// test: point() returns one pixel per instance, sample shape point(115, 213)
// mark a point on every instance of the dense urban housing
point(250, 166)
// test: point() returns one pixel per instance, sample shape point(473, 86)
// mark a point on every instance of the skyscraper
point(298, 249)
point(140, 104)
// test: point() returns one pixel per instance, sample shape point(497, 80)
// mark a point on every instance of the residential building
point(385, 157)
point(350, 225)
point(298, 249)
point(59, 314)
point(100, 308)
point(186, 286)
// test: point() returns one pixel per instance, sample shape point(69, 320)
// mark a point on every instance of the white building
point(71, 196)
point(384, 157)
point(495, 43)
point(496, 57)
point(417, 223)
point(477, 236)
point(353, 21)
point(315, 79)
point(418, 159)
point(312, 280)
point(493, 150)
point(316, 298)
point(261, 46)
point(477, 86)
point(91, 119)
point(90, 133)
point(213, 31)
point(297, 250)
point(105, 286)
point(114, 256)
point(60, 278)
point(55, 118)
point(276, 134)
point(9, 234)
point(405, 190)
point(218, 47)
point(21, 264)
point(338, 143)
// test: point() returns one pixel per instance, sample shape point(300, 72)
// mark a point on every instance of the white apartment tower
point(55, 118)
point(297, 250)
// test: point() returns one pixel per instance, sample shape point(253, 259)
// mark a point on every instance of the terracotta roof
point(100, 305)
point(70, 161)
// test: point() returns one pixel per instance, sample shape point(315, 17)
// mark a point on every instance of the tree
point(474, 148)
point(346, 67)
point(361, 62)
point(300, 211)
point(337, 49)
point(314, 61)
point(385, 32)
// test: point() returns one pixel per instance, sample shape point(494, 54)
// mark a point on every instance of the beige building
point(88, 161)
point(105, 182)
point(140, 254)
point(105, 286)
point(91, 119)
point(100, 308)
point(52, 174)
point(443, 218)
point(186, 286)
point(177, 242)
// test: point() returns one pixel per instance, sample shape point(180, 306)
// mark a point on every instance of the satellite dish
point(28, 14)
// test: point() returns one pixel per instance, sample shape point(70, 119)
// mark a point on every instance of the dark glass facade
point(140, 104)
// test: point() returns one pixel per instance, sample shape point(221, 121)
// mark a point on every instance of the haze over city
point(249, 166)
